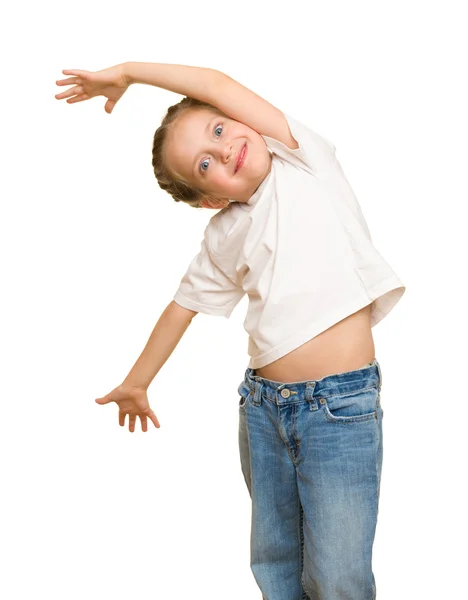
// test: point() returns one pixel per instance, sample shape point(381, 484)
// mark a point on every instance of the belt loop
point(380, 374)
point(257, 399)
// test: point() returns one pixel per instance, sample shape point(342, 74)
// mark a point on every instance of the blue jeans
point(311, 455)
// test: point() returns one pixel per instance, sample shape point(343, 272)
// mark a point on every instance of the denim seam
point(250, 451)
point(377, 472)
point(372, 387)
point(304, 595)
point(296, 439)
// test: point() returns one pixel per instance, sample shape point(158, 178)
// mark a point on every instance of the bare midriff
point(346, 346)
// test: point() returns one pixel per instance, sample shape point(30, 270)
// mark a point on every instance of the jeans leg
point(339, 467)
point(270, 476)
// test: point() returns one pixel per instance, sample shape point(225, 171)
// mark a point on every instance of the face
point(203, 147)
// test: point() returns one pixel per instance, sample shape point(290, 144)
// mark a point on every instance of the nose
point(227, 152)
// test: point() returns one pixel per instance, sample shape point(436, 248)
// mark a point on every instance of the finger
point(74, 72)
point(104, 400)
point(131, 426)
point(78, 98)
point(153, 417)
point(69, 81)
point(74, 91)
point(144, 423)
point(121, 419)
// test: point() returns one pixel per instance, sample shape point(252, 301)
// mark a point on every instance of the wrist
point(129, 383)
point(127, 71)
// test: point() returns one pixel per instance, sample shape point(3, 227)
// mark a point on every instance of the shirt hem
point(307, 334)
point(185, 302)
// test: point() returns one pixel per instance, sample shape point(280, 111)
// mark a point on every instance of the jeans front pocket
point(244, 391)
point(352, 407)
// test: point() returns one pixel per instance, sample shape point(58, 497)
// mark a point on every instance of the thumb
point(104, 400)
point(109, 106)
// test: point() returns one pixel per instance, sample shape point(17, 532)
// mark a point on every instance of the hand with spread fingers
point(111, 83)
point(133, 402)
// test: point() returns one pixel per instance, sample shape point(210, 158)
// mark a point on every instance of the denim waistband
point(339, 383)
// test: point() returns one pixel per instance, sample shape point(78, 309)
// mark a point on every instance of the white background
point(93, 251)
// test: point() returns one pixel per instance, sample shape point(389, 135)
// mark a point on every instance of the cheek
point(222, 178)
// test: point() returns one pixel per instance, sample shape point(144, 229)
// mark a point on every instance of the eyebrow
point(204, 134)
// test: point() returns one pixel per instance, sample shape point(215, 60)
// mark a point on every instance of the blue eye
point(206, 161)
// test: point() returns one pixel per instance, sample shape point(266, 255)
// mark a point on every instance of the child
point(291, 235)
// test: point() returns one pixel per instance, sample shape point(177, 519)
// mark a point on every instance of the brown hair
point(167, 180)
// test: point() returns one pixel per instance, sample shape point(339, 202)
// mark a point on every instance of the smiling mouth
point(242, 154)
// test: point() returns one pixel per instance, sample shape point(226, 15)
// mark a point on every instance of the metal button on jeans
point(285, 393)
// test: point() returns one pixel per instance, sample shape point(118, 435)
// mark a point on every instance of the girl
point(291, 235)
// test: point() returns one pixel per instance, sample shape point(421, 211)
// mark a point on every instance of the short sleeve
point(315, 152)
point(205, 288)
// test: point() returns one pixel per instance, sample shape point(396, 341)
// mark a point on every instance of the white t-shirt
point(300, 248)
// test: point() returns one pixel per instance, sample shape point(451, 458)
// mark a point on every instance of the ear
point(208, 202)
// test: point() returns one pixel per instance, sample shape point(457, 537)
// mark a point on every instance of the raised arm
point(196, 82)
point(208, 85)
point(220, 90)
